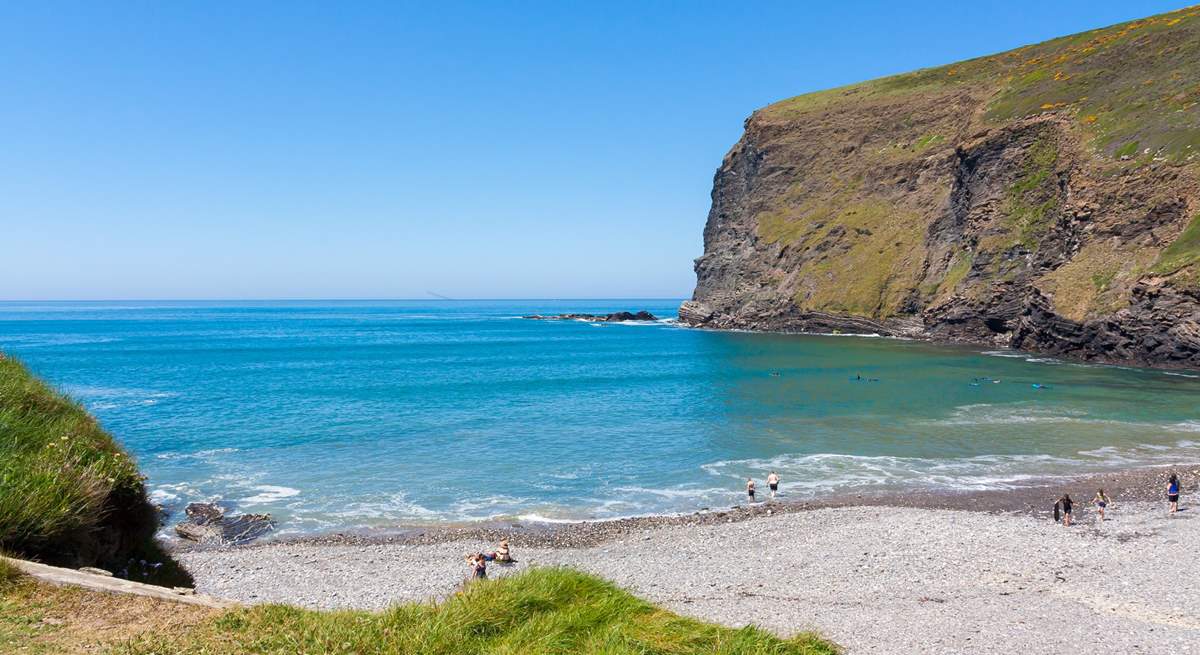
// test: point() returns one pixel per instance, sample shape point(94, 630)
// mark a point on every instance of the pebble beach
point(916, 574)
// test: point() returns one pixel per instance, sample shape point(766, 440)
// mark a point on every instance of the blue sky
point(386, 150)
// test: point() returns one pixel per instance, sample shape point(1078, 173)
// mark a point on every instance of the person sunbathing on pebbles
point(478, 561)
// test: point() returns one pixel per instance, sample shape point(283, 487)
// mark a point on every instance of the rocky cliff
point(1046, 198)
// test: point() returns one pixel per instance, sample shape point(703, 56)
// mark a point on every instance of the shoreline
point(980, 572)
point(1140, 484)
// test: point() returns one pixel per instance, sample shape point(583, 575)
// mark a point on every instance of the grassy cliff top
point(68, 493)
point(1134, 87)
point(539, 612)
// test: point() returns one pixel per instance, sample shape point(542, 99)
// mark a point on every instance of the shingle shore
point(876, 578)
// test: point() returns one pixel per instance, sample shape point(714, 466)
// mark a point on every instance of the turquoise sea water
point(332, 415)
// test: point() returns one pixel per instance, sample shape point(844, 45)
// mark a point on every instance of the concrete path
point(95, 582)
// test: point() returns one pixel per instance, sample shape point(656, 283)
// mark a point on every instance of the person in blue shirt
point(1173, 493)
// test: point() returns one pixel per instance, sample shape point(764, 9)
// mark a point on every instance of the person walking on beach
point(1173, 493)
point(1100, 501)
point(1065, 503)
point(773, 483)
point(750, 488)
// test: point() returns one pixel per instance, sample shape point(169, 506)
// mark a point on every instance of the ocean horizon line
point(345, 299)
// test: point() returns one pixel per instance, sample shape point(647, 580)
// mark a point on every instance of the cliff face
point(1046, 198)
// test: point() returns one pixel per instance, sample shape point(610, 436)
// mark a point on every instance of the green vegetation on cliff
point(1185, 251)
point(539, 612)
point(1132, 86)
point(68, 493)
point(1030, 202)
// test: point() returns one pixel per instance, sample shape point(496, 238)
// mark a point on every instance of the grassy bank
point(9, 575)
point(69, 494)
point(539, 612)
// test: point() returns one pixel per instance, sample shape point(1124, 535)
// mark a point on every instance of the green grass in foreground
point(68, 493)
point(539, 612)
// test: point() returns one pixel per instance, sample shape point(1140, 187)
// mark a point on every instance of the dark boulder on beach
point(208, 524)
point(614, 317)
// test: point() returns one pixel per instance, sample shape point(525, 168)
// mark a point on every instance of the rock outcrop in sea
point(1046, 199)
point(207, 523)
point(614, 317)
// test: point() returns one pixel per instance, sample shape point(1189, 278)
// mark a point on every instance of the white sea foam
point(824, 472)
point(1012, 354)
point(487, 507)
point(106, 398)
point(538, 518)
point(163, 496)
point(674, 493)
point(269, 494)
point(199, 454)
point(1180, 375)
point(176, 494)
point(1011, 413)
point(392, 507)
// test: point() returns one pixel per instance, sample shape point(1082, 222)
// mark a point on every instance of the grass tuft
point(9, 574)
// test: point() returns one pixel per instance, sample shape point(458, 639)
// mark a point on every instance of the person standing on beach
point(750, 488)
point(1173, 493)
point(1100, 501)
point(773, 483)
point(1065, 503)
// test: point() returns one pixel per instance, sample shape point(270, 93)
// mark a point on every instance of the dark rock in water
point(595, 318)
point(204, 513)
point(207, 524)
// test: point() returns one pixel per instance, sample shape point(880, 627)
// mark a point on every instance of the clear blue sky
point(383, 150)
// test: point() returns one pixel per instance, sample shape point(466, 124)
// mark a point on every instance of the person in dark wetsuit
point(1065, 503)
point(1173, 493)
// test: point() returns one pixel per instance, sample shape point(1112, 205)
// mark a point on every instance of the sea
point(340, 415)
